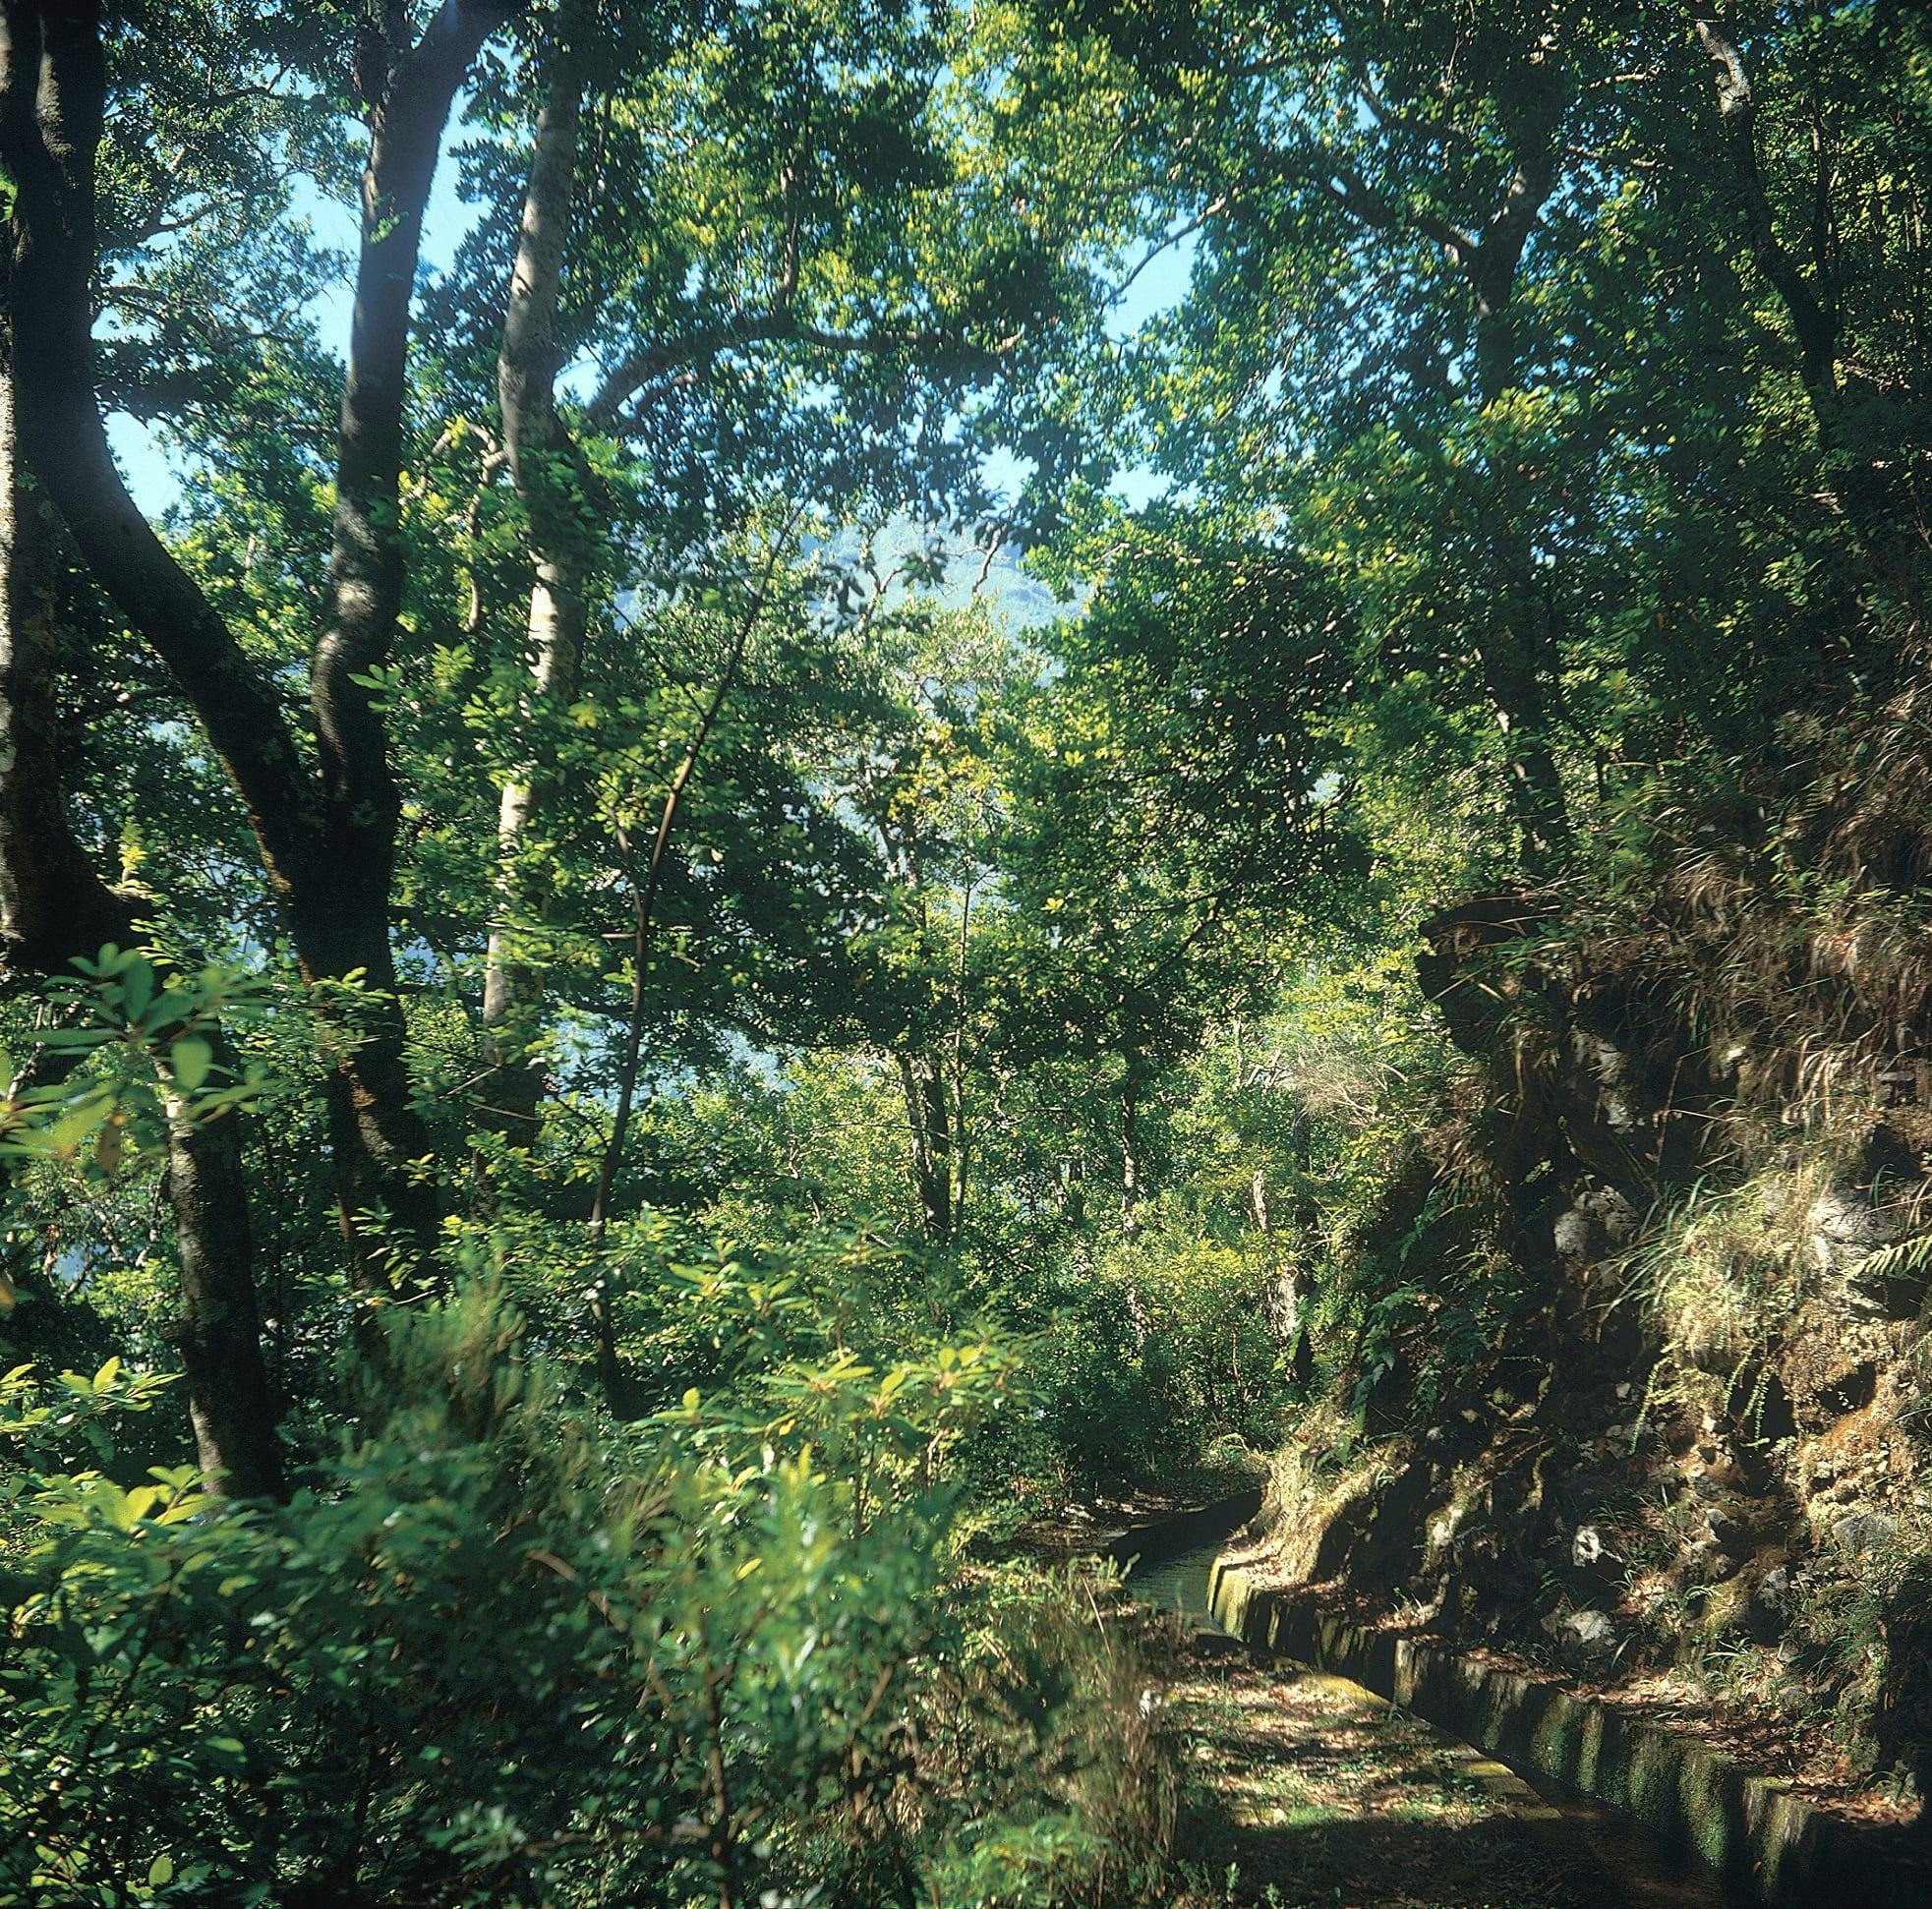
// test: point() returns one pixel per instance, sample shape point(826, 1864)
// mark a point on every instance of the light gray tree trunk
point(552, 480)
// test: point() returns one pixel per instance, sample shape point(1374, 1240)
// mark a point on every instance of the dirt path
point(1306, 1789)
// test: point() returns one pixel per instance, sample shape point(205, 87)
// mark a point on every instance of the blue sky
point(157, 484)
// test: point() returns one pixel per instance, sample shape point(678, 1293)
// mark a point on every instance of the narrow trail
point(1307, 1789)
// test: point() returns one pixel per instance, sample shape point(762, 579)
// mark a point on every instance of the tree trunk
point(52, 904)
point(1518, 675)
point(55, 908)
point(1132, 1184)
point(1516, 646)
point(552, 483)
point(342, 925)
point(219, 1333)
point(327, 840)
point(922, 1078)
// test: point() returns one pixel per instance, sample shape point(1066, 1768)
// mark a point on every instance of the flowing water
point(1178, 1583)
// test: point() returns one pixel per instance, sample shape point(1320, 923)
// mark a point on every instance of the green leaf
point(193, 1061)
point(75, 1127)
point(138, 988)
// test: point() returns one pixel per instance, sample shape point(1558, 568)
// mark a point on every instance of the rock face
point(1684, 1433)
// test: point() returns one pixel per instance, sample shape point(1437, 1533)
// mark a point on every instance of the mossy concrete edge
point(1768, 1844)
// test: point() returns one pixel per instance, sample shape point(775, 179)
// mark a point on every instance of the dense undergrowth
point(497, 1649)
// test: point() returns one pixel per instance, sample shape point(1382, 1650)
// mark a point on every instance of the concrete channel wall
point(1161, 1538)
point(1767, 1844)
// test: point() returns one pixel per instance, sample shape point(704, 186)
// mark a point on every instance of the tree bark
point(1133, 1179)
point(341, 925)
point(328, 839)
point(552, 481)
point(1516, 648)
point(218, 1335)
point(55, 908)
point(922, 1080)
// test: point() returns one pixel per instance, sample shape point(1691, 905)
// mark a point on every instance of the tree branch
point(1811, 314)
point(622, 384)
point(52, 88)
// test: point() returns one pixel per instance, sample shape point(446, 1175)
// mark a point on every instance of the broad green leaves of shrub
point(502, 1651)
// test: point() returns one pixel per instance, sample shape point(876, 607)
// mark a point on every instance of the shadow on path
point(1306, 1789)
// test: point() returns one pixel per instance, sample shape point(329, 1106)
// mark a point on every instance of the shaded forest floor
point(1304, 1789)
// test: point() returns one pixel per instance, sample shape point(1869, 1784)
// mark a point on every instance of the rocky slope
point(1643, 1397)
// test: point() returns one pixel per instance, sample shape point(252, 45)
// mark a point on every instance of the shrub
point(502, 1650)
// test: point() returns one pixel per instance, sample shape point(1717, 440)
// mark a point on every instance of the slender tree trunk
point(54, 908)
point(219, 1332)
point(961, 1149)
point(1133, 1179)
point(1073, 1193)
point(552, 481)
point(1516, 646)
point(955, 1070)
point(1518, 675)
point(644, 893)
point(922, 1080)
point(618, 1390)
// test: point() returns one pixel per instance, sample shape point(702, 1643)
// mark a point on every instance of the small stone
point(1863, 1530)
point(1702, 1561)
point(1591, 1630)
point(1587, 1546)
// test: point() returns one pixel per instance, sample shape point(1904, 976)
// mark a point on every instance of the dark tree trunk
point(1516, 646)
point(922, 1078)
point(219, 1333)
point(55, 908)
point(377, 1132)
point(327, 840)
